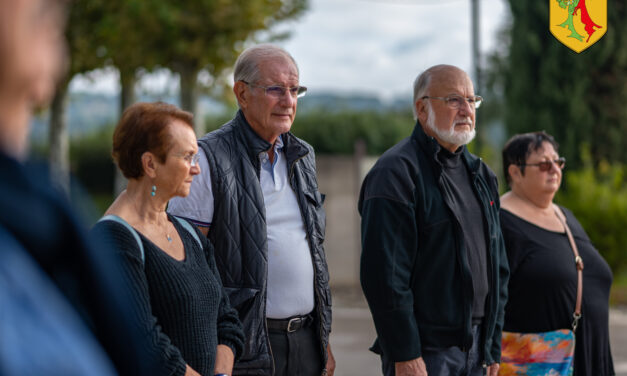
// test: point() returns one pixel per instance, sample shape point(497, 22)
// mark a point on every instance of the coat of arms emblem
point(578, 24)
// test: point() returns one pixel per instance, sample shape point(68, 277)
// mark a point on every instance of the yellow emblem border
point(578, 24)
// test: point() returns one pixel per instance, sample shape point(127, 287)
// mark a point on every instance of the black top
point(184, 309)
point(42, 222)
point(543, 288)
point(470, 217)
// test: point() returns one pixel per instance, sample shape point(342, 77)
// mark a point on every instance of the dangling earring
point(153, 191)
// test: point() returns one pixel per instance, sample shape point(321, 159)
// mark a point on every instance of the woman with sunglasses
point(185, 312)
point(543, 281)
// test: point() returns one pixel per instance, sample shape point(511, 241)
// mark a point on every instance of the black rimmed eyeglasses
point(546, 165)
point(455, 101)
point(277, 91)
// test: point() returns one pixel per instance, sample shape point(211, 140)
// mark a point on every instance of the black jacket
point(238, 231)
point(414, 269)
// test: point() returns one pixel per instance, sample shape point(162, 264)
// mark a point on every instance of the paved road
point(353, 333)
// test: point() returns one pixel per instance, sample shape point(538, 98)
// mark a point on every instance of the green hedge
point(91, 162)
point(331, 132)
point(598, 198)
point(336, 133)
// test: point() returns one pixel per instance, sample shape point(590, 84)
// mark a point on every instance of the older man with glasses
point(257, 200)
point(433, 265)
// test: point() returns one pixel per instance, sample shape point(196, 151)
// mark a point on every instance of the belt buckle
point(293, 323)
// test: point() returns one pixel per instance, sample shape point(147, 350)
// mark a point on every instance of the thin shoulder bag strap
point(189, 228)
point(130, 228)
point(578, 265)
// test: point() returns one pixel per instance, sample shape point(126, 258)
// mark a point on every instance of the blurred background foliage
point(597, 195)
point(542, 85)
point(337, 132)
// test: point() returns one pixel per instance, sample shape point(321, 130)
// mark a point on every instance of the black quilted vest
point(238, 231)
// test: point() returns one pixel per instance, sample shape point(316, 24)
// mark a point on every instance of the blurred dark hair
point(520, 146)
point(144, 127)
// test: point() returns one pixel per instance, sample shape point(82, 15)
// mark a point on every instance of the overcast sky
point(380, 46)
point(373, 46)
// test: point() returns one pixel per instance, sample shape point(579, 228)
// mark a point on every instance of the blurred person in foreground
point(63, 308)
point(433, 265)
point(184, 310)
point(259, 203)
point(543, 281)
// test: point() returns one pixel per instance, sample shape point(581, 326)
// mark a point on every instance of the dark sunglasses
point(546, 165)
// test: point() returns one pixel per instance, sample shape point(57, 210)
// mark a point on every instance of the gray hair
point(421, 84)
point(247, 64)
point(423, 81)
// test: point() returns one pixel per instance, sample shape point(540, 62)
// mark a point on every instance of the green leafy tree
point(186, 37)
point(575, 97)
point(195, 35)
point(140, 35)
point(125, 32)
point(83, 15)
point(128, 30)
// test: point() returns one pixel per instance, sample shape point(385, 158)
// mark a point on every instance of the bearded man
point(433, 264)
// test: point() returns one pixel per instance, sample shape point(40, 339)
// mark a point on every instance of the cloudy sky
point(372, 46)
point(380, 46)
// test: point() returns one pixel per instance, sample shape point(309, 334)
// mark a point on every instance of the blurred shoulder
point(574, 225)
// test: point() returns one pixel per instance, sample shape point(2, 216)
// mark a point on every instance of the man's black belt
point(290, 324)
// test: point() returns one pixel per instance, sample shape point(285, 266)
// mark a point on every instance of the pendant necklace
point(167, 235)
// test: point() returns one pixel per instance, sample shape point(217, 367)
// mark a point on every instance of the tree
point(207, 35)
point(127, 29)
point(81, 39)
point(185, 36)
point(134, 35)
point(575, 97)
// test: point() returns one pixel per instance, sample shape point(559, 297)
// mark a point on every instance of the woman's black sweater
point(184, 309)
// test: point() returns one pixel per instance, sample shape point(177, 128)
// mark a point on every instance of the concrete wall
point(339, 178)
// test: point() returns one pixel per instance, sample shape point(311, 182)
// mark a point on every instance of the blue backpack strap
point(189, 228)
point(130, 228)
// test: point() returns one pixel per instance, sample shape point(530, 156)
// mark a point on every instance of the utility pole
point(476, 64)
point(476, 57)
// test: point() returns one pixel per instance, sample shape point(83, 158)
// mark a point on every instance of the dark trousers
point(450, 361)
point(296, 353)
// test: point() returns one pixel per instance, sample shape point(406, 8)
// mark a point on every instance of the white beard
point(450, 136)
